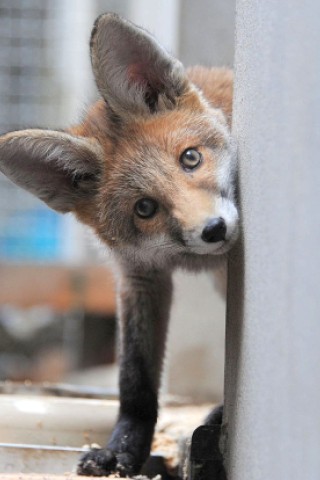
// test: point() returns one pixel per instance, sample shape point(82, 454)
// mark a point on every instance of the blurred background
point(57, 312)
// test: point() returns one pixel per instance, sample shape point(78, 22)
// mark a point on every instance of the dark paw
point(206, 460)
point(100, 462)
point(215, 416)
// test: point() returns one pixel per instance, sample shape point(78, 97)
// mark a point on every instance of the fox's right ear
point(134, 74)
point(57, 167)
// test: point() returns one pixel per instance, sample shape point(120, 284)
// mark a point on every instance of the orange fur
point(169, 133)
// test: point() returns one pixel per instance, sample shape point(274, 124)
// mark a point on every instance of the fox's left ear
point(134, 74)
point(57, 167)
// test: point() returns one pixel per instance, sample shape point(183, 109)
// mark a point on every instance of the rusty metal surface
point(90, 287)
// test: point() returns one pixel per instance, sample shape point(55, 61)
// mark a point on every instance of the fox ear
point(57, 167)
point(134, 74)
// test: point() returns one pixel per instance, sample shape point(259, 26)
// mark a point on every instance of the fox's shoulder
point(216, 84)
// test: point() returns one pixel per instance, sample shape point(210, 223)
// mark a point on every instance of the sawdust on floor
point(175, 424)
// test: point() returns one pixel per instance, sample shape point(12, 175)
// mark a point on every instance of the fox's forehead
point(172, 133)
point(144, 160)
point(145, 163)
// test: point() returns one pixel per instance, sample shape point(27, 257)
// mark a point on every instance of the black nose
point(214, 231)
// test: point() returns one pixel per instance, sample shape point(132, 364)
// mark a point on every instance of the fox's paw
point(215, 416)
point(100, 462)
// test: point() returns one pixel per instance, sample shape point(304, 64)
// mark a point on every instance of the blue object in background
point(31, 235)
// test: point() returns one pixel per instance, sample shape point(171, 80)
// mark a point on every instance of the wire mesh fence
point(35, 90)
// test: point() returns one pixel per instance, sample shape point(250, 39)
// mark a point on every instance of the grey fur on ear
point(134, 74)
point(57, 167)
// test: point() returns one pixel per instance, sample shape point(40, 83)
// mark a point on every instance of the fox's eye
point(190, 159)
point(145, 207)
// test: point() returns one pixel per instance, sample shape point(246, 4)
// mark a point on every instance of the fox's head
point(151, 168)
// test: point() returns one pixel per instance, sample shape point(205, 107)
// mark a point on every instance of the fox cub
point(151, 169)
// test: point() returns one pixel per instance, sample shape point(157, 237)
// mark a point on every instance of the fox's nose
point(214, 231)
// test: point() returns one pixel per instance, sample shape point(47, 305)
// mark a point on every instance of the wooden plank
point(61, 287)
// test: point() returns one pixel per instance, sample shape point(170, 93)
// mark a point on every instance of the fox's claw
point(100, 462)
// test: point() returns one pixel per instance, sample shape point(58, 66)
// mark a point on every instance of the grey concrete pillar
point(272, 387)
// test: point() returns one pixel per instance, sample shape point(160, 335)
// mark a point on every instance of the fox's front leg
point(144, 310)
